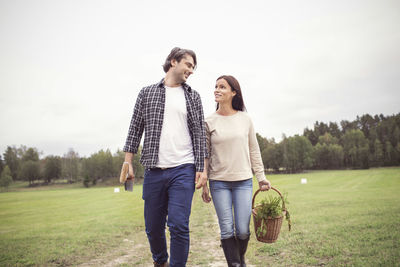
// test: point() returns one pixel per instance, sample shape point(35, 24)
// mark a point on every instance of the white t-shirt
point(175, 142)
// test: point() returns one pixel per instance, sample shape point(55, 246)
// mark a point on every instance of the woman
point(233, 155)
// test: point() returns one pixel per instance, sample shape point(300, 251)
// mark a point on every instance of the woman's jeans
point(238, 195)
point(168, 192)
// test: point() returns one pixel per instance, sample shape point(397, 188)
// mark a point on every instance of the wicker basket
point(272, 225)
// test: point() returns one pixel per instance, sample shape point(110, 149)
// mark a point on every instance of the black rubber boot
point(242, 250)
point(231, 251)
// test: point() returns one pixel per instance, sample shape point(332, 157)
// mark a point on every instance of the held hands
point(201, 182)
point(206, 194)
point(201, 179)
point(264, 185)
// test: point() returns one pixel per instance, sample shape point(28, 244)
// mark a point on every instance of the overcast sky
point(70, 71)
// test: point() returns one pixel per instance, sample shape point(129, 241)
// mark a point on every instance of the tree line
point(24, 164)
point(368, 141)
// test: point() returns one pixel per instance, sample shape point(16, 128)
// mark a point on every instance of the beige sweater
point(234, 153)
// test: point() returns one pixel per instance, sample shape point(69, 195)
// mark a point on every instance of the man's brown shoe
point(165, 264)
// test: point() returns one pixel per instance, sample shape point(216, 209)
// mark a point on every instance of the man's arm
point(201, 174)
point(134, 134)
point(201, 177)
point(136, 127)
point(199, 141)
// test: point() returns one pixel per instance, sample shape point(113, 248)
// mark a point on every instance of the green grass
point(65, 226)
point(339, 218)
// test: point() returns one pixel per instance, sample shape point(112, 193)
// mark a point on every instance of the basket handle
point(276, 190)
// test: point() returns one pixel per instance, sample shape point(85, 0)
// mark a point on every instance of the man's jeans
point(169, 192)
point(239, 194)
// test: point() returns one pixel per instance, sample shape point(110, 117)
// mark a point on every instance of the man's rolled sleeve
point(136, 127)
point(201, 149)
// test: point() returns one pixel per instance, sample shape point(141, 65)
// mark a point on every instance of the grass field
point(65, 226)
point(339, 218)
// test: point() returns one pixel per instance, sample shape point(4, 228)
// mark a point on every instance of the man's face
point(183, 69)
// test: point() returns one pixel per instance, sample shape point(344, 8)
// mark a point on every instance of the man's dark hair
point(177, 54)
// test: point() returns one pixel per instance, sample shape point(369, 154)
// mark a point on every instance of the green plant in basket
point(270, 208)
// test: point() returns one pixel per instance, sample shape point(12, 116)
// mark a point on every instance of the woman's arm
point(256, 160)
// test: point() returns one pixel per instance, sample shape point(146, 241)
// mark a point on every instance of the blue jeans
point(169, 193)
point(236, 195)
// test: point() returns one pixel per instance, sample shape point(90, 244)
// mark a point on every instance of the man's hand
point(131, 174)
point(128, 161)
point(201, 179)
point(206, 194)
point(126, 172)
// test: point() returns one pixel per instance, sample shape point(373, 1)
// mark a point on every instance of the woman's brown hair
point(237, 101)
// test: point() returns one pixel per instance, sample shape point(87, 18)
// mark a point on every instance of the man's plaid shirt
point(148, 115)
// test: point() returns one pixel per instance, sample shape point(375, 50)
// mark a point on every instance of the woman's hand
point(206, 194)
point(264, 185)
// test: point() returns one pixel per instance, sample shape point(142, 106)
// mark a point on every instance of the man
point(171, 114)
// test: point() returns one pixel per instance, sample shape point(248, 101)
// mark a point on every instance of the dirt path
point(132, 254)
point(129, 254)
point(205, 250)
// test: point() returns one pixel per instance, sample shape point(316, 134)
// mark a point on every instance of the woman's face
point(223, 92)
